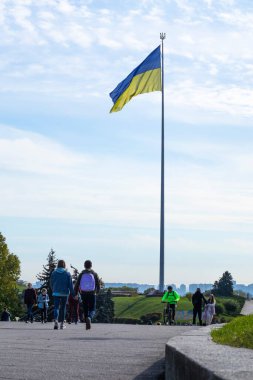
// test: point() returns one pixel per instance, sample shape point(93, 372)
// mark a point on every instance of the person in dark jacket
point(5, 316)
point(197, 299)
point(30, 299)
point(61, 285)
point(88, 285)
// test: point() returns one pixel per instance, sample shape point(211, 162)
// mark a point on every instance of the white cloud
point(32, 153)
point(232, 100)
point(44, 179)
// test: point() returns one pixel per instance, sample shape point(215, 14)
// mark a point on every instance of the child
point(43, 300)
point(73, 309)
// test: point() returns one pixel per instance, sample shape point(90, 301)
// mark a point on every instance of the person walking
point(88, 285)
point(73, 303)
point(197, 301)
point(61, 285)
point(172, 298)
point(43, 300)
point(209, 310)
point(30, 299)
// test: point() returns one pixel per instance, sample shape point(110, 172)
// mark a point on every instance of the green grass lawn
point(136, 306)
point(21, 287)
point(237, 333)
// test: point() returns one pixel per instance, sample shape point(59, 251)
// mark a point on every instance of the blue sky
point(87, 183)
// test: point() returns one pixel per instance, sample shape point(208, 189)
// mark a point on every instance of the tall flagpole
point(161, 277)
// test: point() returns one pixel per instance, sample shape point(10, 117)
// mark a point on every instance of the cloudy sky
point(87, 183)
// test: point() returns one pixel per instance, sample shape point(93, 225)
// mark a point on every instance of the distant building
point(247, 289)
point(182, 290)
point(203, 287)
point(121, 293)
point(140, 287)
point(173, 286)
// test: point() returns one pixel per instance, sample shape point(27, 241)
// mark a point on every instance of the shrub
point(240, 300)
point(232, 307)
point(189, 296)
point(219, 309)
point(151, 317)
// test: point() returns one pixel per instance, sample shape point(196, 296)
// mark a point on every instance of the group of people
point(209, 308)
point(171, 297)
point(85, 288)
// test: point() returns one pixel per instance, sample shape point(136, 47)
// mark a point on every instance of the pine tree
point(44, 276)
point(224, 286)
point(75, 273)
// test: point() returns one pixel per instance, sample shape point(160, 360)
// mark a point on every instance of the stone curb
point(194, 356)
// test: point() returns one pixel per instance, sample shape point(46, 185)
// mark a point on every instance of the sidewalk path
point(247, 308)
point(107, 351)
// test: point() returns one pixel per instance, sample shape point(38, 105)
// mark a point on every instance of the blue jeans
point(29, 311)
point(60, 308)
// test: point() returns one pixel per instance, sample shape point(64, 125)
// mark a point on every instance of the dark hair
point(87, 264)
point(61, 264)
point(170, 287)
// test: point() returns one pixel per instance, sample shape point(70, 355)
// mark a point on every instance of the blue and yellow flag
point(145, 78)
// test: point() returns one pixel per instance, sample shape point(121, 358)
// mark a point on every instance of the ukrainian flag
point(145, 78)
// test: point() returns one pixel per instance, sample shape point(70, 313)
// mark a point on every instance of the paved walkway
point(247, 308)
point(115, 352)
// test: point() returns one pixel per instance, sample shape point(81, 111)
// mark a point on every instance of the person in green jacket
point(172, 298)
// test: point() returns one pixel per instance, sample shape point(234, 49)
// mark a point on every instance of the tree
point(44, 276)
point(75, 273)
point(224, 286)
point(10, 272)
point(105, 307)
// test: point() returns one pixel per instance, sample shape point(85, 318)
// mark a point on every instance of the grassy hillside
point(21, 288)
point(136, 306)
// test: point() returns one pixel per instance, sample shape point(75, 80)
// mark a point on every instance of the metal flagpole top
point(162, 36)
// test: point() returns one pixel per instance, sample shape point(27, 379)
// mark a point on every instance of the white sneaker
point(62, 326)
